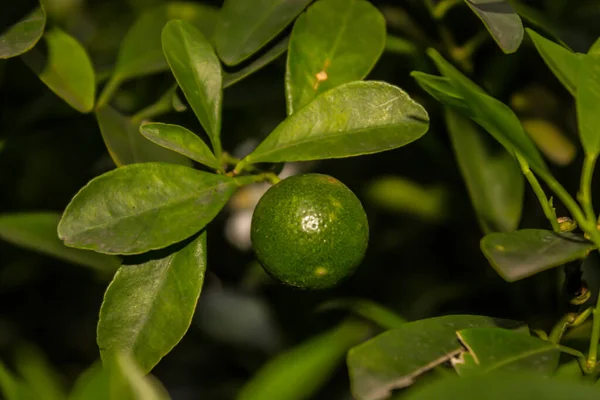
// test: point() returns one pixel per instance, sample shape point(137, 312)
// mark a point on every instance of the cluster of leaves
point(148, 217)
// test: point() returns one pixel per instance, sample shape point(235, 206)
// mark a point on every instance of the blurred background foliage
point(423, 259)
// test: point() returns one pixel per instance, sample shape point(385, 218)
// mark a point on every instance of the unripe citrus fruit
point(309, 231)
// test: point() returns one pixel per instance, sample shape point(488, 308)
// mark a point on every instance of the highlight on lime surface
point(309, 231)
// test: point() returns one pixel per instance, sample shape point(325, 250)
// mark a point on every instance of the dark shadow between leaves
point(160, 253)
point(497, 7)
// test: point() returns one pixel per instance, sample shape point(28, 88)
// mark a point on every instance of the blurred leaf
point(181, 140)
point(398, 194)
point(142, 207)
point(441, 89)
point(502, 386)
point(398, 45)
point(382, 316)
point(23, 35)
point(231, 78)
point(563, 63)
point(595, 48)
point(395, 358)
point(332, 43)
point(128, 381)
point(198, 73)
point(494, 181)
point(37, 231)
point(245, 26)
point(298, 373)
point(520, 254)
point(505, 350)
point(501, 21)
point(550, 140)
point(38, 375)
point(141, 52)
point(126, 145)
point(92, 384)
point(238, 318)
point(10, 385)
point(588, 103)
point(67, 70)
point(353, 119)
point(149, 305)
point(493, 115)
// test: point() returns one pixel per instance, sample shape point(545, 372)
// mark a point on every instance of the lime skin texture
point(310, 231)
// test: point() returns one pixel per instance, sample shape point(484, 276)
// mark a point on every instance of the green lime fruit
point(309, 231)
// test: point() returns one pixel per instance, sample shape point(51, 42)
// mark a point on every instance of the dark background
point(418, 268)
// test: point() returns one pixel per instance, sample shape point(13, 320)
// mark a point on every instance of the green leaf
point(588, 103)
point(230, 78)
point(551, 140)
point(441, 89)
point(37, 231)
point(494, 181)
point(563, 63)
point(505, 350)
point(520, 254)
point(126, 145)
point(10, 385)
point(501, 21)
point(198, 73)
point(39, 376)
point(181, 140)
point(149, 305)
point(299, 372)
point(395, 358)
point(332, 43)
point(400, 195)
point(141, 53)
point(23, 35)
point(66, 70)
point(502, 386)
point(245, 26)
point(540, 20)
point(595, 48)
point(142, 207)
point(353, 119)
point(381, 315)
point(128, 382)
point(493, 115)
point(92, 384)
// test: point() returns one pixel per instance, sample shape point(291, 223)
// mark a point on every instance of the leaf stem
point(578, 355)
point(109, 90)
point(561, 327)
point(540, 194)
point(250, 179)
point(595, 338)
point(585, 191)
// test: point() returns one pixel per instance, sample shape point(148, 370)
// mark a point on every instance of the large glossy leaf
point(126, 145)
point(128, 382)
point(198, 73)
point(298, 373)
point(353, 119)
point(520, 254)
point(141, 51)
point(230, 78)
point(493, 115)
point(494, 181)
point(142, 207)
point(149, 305)
point(245, 26)
point(395, 358)
point(494, 349)
point(588, 103)
point(23, 35)
point(66, 70)
point(563, 63)
point(333, 42)
point(92, 384)
point(37, 231)
point(502, 386)
point(501, 21)
point(181, 140)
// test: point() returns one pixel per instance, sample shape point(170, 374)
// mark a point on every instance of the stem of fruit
point(540, 194)
point(585, 191)
point(228, 159)
point(258, 178)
